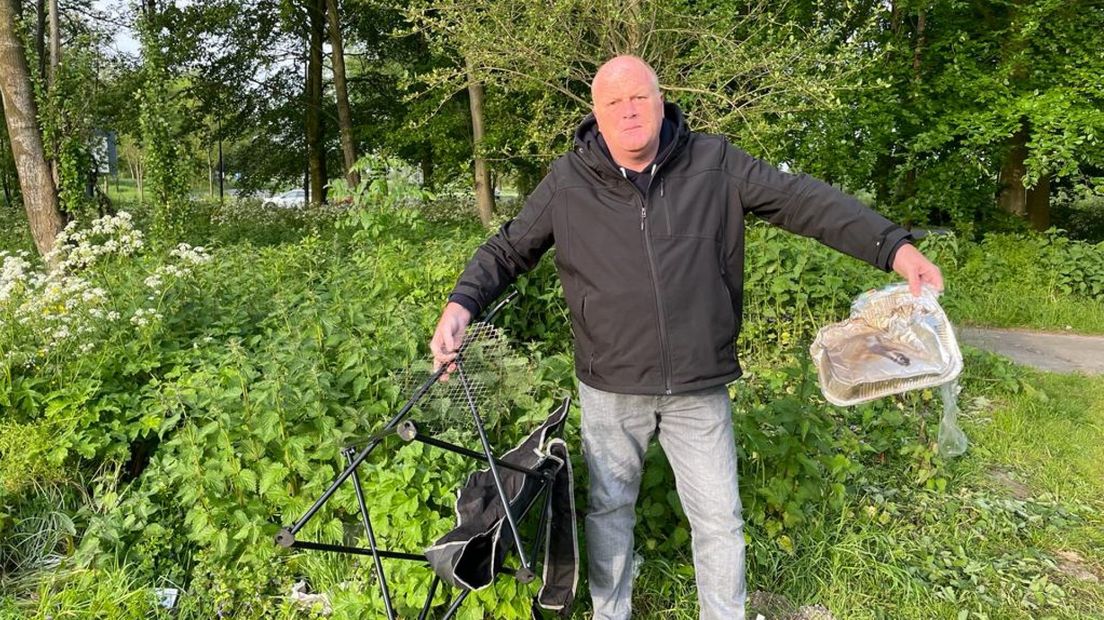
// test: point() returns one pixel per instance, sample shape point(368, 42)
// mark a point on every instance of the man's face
point(629, 110)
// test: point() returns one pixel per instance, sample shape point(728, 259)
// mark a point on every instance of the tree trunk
point(1013, 195)
point(1038, 204)
point(221, 168)
point(55, 42)
point(316, 162)
point(8, 202)
point(53, 148)
point(484, 196)
point(40, 38)
point(918, 49)
point(344, 113)
point(895, 17)
point(634, 38)
point(39, 192)
point(141, 186)
point(1032, 204)
point(909, 190)
point(427, 167)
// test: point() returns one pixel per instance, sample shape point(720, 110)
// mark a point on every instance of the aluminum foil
point(893, 342)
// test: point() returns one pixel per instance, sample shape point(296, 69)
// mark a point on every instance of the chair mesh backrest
point(496, 378)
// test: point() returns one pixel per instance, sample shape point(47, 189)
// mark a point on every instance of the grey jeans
point(695, 431)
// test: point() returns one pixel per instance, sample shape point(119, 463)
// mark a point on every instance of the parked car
point(291, 199)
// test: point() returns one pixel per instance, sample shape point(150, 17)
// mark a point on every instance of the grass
point(83, 593)
point(125, 190)
point(1012, 306)
point(1024, 281)
point(15, 235)
point(1018, 533)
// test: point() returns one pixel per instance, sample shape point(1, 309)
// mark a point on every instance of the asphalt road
point(1053, 352)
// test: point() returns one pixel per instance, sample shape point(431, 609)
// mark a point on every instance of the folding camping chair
point(536, 472)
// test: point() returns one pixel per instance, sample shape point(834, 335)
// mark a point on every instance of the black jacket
point(654, 280)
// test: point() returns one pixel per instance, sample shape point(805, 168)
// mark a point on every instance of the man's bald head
point(628, 108)
point(619, 69)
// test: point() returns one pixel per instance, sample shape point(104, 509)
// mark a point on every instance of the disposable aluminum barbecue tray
point(893, 342)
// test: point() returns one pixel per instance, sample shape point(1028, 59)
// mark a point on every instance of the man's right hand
point(448, 336)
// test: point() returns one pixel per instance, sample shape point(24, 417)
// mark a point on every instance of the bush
point(15, 233)
point(224, 407)
point(1081, 217)
point(1029, 280)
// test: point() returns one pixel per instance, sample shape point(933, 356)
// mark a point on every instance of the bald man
point(648, 220)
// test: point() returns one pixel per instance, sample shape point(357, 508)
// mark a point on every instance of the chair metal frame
point(408, 432)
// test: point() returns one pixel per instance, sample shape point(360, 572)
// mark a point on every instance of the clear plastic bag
point(951, 441)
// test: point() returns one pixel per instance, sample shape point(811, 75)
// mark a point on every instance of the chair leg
point(525, 573)
point(349, 455)
point(456, 605)
point(429, 598)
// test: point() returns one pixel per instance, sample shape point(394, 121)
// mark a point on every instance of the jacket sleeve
point(515, 249)
point(810, 207)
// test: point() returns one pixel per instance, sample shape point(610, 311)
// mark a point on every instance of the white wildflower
point(144, 316)
point(188, 254)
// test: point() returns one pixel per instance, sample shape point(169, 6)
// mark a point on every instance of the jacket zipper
point(665, 351)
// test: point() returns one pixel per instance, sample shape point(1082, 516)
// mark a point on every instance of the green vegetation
point(192, 400)
point(182, 382)
point(1043, 282)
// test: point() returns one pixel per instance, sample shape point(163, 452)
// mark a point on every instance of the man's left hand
point(913, 266)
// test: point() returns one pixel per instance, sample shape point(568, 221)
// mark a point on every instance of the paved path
point(1043, 350)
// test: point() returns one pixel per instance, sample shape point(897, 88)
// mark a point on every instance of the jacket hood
point(593, 153)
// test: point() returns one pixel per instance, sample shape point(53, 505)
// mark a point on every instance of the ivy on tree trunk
point(164, 177)
point(20, 112)
point(484, 194)
point(316, 155)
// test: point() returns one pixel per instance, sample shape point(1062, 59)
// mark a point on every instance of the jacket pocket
point(728, 288)
point(589, 350)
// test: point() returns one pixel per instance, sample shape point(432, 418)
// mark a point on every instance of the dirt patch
point(770, 606)
point(1072, 565)
point(813, 612)
point(1006, 481)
